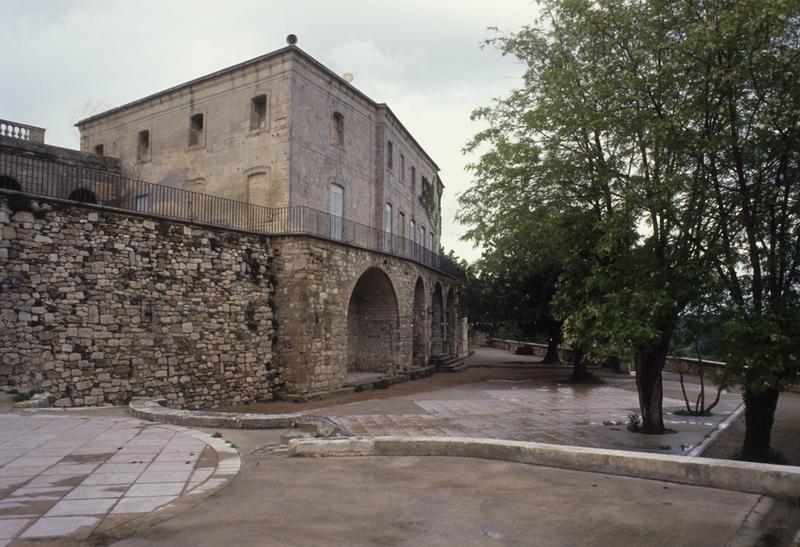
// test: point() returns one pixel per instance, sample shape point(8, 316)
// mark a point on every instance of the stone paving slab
point(64, 476)
point(528, 410)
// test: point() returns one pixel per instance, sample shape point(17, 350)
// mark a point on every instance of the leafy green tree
point(669, 127)
point(747, 141)
point(590, 135)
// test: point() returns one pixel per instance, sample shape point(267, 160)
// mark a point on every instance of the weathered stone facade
point(99, 306)
point(287, 155)
point(316, 283)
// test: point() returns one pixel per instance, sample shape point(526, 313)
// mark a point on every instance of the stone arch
point(373, 320)
point(437, 321)
point(9, 183)
point(418, 325)
point(83, 195)
point(450, 323)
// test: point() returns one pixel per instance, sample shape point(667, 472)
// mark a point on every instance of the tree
point(673, 126)
point(748, 145)
point(515, 282)
point(591, 134)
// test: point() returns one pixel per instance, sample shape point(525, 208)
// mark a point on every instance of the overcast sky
point(65, 60)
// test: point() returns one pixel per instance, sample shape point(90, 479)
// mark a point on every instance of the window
point(258, 112)
point(402, 168)
point(389, 155)
point(430, 239)
point(99, 150)
point(337, 130)
point(336, 211)
point(143, 145)
point(143, 203)
point(413, 180)
point(401, 224)
point(422, 236)
point(413, 230)
point(196, 125)
point(387, 227)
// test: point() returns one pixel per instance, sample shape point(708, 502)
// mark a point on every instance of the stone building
point(280, 130)
point(284, 248)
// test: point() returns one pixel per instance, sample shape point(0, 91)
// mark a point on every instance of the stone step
point(448, 363)
point(452, 368)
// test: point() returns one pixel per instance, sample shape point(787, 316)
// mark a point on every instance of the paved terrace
point(66, 477)
point(504, 396)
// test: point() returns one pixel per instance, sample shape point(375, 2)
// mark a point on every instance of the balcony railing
point(39, 177)
point(22, 131)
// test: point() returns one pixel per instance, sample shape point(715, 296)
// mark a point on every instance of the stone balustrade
point(22, 131)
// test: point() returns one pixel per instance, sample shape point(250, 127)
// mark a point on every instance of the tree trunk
point(580, 370)
point(759, 414)
point(554, 332)
point(649, 363)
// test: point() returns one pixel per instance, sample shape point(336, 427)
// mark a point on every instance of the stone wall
point(58, 155)
point(98, 307)
point(565, 354)
point(231, 158)
point(51, 170)
point(691, 366)
point(291, 159)
point(315, 281)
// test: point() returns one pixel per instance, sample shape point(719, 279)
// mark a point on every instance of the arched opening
point(372, 324)
point(450, 323)
point(418, 328)
point(9, 183)
point(437, 321)
point(83, 195)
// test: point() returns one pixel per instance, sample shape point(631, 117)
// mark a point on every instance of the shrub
point(634, 423)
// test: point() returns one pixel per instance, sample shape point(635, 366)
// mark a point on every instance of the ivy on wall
point(431, 205)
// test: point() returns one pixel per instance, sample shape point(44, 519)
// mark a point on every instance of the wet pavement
point(65, 476)
point(534, 405)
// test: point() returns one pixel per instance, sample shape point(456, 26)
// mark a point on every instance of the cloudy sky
point(65, 60)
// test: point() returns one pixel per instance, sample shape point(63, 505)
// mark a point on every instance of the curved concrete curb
point(154, 410)
point(780, 481)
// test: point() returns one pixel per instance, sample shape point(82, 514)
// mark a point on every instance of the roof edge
point(254, 60)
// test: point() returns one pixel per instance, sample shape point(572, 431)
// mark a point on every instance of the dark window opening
point(402, 168)
point(196, 130)
point(143, 145)
point(99, 150)
point(258, 112)
point(9, 183)
point(389, 154)
point(83, 195)
point(413, 180)
point(338, 129)
point(147, 312)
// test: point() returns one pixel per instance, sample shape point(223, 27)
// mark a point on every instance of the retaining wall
point(99, 306)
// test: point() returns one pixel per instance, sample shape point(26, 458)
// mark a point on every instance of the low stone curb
point(779, 481)
point(154, 410)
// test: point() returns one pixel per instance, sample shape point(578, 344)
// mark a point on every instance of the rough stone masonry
point(99, 306)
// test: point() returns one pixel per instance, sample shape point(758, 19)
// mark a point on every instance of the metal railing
point(36, 176)
point(22, 131)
